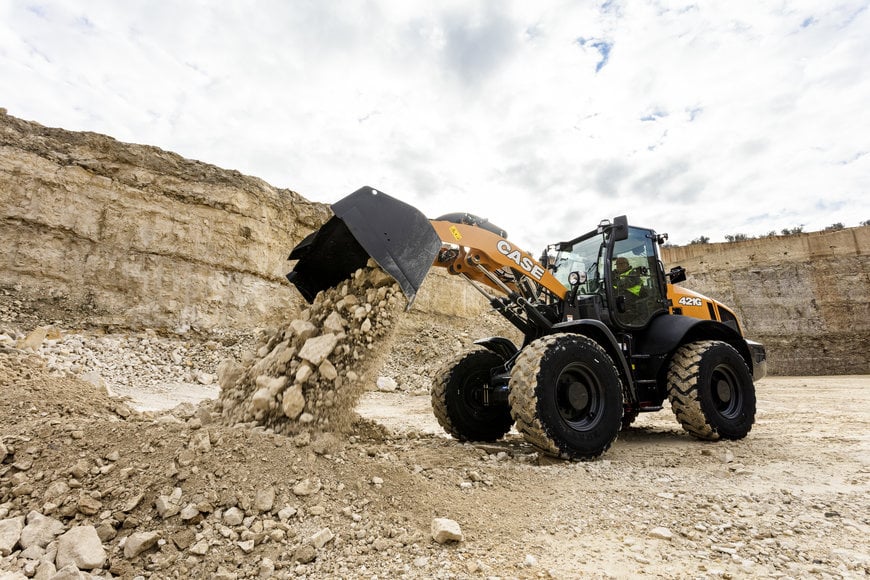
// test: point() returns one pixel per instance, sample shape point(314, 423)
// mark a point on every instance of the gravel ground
point(96, 485)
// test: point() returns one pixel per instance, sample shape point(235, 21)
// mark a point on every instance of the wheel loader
point(607, 332)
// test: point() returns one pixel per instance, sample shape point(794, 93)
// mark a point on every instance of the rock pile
point(309, 375)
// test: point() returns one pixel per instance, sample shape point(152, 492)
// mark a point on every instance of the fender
point(501, 346)
point(598, 331)
point(668, 331)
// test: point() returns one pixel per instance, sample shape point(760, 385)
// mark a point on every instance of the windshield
point(582, 257)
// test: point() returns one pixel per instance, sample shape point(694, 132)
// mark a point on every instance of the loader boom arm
point(481, 256)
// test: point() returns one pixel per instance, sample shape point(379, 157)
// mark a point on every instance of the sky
point(692, 118)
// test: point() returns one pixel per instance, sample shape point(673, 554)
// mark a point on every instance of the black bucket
point(367, 224)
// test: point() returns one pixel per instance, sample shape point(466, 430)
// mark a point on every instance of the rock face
point(134, 235)
point(806, 297)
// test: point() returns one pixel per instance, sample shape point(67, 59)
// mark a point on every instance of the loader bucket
point(367, 224)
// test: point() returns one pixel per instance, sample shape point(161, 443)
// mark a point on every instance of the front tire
point(566, 396)
point(457, 398)
point(711, 391)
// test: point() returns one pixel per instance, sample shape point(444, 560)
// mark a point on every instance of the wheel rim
point(725, 391)
point(472, 393)
point(579, 397)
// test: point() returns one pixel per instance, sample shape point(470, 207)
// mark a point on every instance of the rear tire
point(457, 398)
point(711, 391)
point(566, 396)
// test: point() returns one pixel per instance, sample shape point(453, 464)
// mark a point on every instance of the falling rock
point(327, 370)
point(661, 533)
point(139, 542)
point(264, 500)
point(261, 399)
point(10, 532)
point(82, 547)
point(334, 323)
point(229, 372)
point(318, 348)
point(307, 487)
point(273, 385)
point(247, 546)
point(446, 530)
point(322, 537)
point(302, 329)
point(387, 384)
point(303, 374)
point(34, 340)
point(40, 530)
point(293, 402)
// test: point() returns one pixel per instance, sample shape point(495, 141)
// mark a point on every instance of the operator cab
point(613, 274)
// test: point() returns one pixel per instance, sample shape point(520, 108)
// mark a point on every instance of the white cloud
point(544, 117)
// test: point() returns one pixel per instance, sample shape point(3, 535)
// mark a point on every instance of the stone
point(322, 537)
point(184, 538)
point(4, 451)
point(200, 548)
point(305, 554)
point(40, 530)
point(10, 532)
point(189, 512)
point(261, 399)
point(68, 572)
point(286, 513)
point(82, 547)
point(229, 372)
point(200, 441)
point(327, 370)
point(88, 505)
point(273, 385)
point(334, 323)
point(661, 533)
point(387, 384)
point(34, 339)
point(307, 487)
point(139, 542)
point(293, 402)
point(234, 516)
point(303, 373)
point(55, 490)
point(446, 530)
point(302, 329)
point(266, 569)
point(265, 499)
point(318, 348)
point(247, 546)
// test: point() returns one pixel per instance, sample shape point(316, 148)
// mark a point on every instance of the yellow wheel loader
point(608, 334)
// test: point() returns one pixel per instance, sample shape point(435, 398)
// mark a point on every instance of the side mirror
point(677, 275)
point(620, 228)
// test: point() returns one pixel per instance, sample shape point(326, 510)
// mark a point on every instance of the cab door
point(635, 287)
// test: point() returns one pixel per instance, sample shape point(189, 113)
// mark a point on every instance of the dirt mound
point(310, 374)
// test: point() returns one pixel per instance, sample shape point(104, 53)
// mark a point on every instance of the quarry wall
point(805, 296)
point(130, 235)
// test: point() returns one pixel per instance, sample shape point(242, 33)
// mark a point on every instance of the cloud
point(693, 119)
